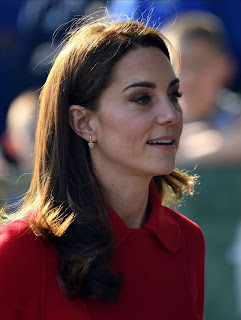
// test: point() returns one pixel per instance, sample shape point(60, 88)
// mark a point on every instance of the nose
point(168, 113)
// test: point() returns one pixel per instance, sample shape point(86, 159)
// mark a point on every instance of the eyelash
point(141, 98)
point(175, 96)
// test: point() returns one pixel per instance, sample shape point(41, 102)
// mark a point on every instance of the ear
point(79, 120)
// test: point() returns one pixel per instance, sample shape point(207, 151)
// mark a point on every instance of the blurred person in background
point(18, 146)
point(18, 138)
point(228, 12)
point(212, 113)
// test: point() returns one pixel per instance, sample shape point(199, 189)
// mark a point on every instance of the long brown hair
point(65, 200)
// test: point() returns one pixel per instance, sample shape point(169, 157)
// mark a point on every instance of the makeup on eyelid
point(145, 98)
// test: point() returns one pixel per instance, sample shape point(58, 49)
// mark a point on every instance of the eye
point(174, 96)
point(141, 99)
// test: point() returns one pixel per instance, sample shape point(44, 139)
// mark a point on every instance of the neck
point(127, 196)
point(130, 203)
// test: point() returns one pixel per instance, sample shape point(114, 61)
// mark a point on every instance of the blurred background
point(206, 34)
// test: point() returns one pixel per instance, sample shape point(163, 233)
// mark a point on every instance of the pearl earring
point(91, 144)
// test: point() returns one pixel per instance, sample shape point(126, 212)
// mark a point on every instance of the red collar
point(160, 223)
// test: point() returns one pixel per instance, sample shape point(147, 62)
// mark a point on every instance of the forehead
point(143, 64)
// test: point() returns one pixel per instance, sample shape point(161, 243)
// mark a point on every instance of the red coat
point(162, 262)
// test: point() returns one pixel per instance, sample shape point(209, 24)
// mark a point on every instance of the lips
point(161, 141)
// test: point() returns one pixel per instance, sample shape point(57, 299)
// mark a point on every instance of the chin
point(164, 171)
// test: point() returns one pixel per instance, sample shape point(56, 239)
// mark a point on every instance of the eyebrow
point(152, 85)
point(173, 82)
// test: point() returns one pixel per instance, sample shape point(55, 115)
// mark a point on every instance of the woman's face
point(139, 120)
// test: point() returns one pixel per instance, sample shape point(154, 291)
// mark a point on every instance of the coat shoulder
point(16, 237)
point(189, 228)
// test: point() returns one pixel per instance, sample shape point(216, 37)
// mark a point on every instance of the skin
point(204, 71)
point(126, 119)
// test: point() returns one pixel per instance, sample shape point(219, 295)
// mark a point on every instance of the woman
point(93, 240)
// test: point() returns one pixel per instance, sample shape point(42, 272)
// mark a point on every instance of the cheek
point(129, 125)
